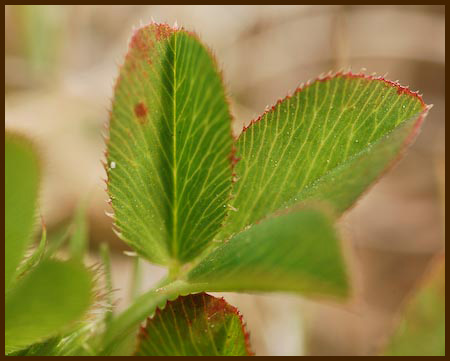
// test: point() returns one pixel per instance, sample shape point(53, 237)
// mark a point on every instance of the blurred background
point(60, 66)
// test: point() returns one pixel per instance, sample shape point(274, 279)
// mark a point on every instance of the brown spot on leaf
point(141, 112)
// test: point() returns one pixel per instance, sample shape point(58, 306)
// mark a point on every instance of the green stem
point(174, 270)
point(143, 306)
point(106, 260)
point(138, 311)
point(135, 279)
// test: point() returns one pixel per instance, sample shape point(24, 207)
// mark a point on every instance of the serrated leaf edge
point(224, 304)
point(104, 162)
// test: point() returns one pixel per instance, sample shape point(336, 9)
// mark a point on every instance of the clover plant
point(223, 213)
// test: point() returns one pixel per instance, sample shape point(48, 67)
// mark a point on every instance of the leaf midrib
point(174, 155)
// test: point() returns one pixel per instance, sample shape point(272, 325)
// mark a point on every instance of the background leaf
point(421, 331)
point(195, 325)
point(45, 302)
point(168, 167)
point(324, 133)
point(296, 252)
point(21, 190)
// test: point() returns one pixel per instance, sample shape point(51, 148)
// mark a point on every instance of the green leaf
point(297, 252)
point(421, 331)
point(46, 301)
point(21, 190)
point(329, 140)
point(72, 344)
point(47, 348)
point(195, 325)
point(169, 169)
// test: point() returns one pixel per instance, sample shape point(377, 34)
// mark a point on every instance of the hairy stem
point(138, 311)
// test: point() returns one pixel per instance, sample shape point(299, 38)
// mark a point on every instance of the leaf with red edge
point(195, 325)
point(328, 141)
point(169, 169)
